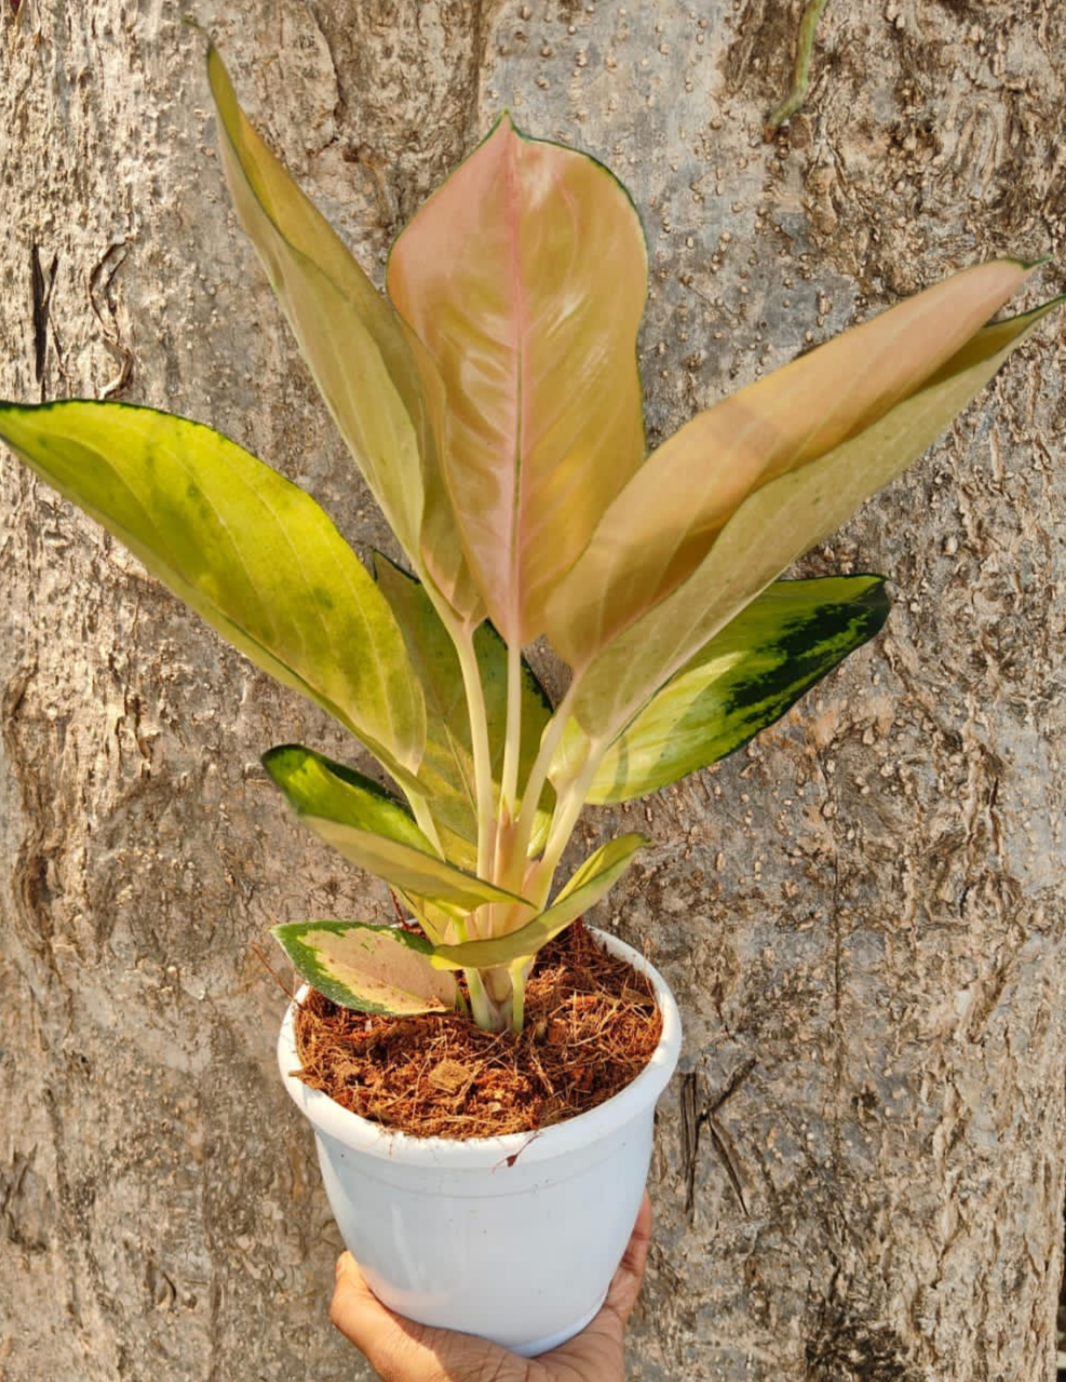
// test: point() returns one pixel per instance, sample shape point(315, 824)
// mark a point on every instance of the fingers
point(625, 1287)
point(402, 1351)
point(358, 1313)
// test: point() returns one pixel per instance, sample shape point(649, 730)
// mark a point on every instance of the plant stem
point(513, 740)
point(481, 1005)
point(538, 774)
point(568, 810)
point(492, 1012)
point(479, 734)
point(424, 820)
point(571, 804)
point(507, 865)
point(518, 1000)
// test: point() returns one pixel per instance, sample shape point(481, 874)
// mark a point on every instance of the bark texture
point(860, 1170)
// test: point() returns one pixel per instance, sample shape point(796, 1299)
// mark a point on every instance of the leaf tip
point(275, 757)
point(192, 23)
point(222, 89)
point(505, 127)
point(1031, 265)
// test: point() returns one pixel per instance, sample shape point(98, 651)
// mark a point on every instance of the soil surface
point(591, 1026)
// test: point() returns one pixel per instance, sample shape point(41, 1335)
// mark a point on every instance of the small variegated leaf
point(375, 969)
point(315, 785)
point(774, 651)
point(372, 829)
point(589, 883)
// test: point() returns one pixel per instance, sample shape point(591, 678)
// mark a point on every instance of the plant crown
point(493, 404)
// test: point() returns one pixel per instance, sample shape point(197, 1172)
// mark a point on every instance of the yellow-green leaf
point(777, 524)
point(524, 277)
point(357, 350)
point(315, 785)
point(375, 969)
point(666, 520)
point(247, 550)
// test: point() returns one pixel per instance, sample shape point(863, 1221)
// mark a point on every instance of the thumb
point(627, 1281)
point(391, 1347)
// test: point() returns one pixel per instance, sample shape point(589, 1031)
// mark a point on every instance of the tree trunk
point(859, 1175)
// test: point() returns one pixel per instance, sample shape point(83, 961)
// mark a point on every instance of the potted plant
point(493, 404)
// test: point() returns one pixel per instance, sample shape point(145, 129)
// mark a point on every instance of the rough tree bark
point(859, 1174)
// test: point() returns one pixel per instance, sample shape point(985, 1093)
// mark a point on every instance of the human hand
point(402, 1351)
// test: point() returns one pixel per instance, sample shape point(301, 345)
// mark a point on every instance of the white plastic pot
point(514, 1238)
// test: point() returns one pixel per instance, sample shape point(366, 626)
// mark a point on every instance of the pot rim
point(557, 1140)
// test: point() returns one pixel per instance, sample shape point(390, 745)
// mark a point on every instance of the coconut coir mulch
point(591, 1026)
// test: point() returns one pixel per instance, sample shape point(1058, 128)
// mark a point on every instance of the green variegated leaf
point(372, 829)
point(446, 774)
point(375, 969)
point(777, 524)
point(591, 882)
point(243, 547)
point(776, 649)
point(315, 785)
point(524, 276)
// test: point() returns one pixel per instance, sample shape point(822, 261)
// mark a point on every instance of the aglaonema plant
point(492, 402)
